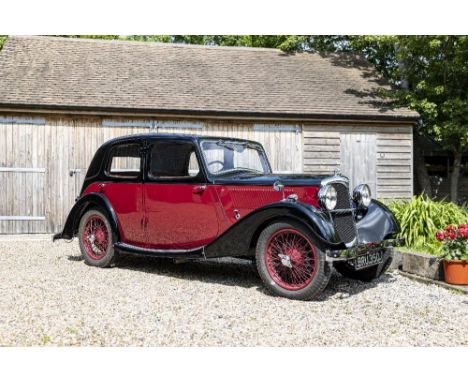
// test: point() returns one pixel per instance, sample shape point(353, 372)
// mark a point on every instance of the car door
point(124, 190)
point(181, 209)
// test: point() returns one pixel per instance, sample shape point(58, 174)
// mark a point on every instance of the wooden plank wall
point(394, 154)
point(395, 163)
point(68, 143)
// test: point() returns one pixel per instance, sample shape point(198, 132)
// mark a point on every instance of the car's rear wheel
point(367, 274)
point(96, 239)
point(288, 262)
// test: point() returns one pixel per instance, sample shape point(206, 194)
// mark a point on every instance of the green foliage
point(265, 41)
point(435, 68)
point(420, 219)
point(2, 41)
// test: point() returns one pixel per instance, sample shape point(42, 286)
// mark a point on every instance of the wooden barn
point(61, 98)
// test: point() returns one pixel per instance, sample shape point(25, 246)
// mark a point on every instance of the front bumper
point(361, 249)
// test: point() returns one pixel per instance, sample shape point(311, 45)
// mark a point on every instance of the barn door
point(23, 175)
point(358, 158)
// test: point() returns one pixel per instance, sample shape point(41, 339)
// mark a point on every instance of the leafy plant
point(421, 217)
point(2, 41)
point(455, 242)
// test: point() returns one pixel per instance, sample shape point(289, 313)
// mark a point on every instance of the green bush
point(421, 217)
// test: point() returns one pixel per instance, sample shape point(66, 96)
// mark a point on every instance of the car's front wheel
point(96, 239)
point(288, 262)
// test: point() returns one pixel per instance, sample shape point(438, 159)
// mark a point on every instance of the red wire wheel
point(291, 259)
point(95, 237)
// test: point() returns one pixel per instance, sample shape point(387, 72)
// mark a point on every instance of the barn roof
point(123, 76)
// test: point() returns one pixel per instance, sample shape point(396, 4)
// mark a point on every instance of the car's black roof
point(142, 136)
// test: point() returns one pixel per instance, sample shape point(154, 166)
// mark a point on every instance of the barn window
point(125, 161)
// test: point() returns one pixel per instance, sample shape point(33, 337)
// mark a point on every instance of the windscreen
point(225, 157)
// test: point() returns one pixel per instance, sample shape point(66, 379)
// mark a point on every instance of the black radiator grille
point(344, 222)
point(342, 194)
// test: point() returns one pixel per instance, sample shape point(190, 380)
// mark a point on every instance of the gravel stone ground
point(48, 296)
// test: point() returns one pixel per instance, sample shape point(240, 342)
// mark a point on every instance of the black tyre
point(367, 274)
point(97, 239)
point(288, 262)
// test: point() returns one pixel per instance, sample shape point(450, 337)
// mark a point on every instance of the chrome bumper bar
point(361, 249)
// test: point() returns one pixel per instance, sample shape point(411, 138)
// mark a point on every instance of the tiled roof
point(66, 73)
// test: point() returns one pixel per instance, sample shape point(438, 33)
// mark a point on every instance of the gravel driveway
point(48, 296)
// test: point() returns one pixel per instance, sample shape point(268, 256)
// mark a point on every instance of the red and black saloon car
point(195, 197)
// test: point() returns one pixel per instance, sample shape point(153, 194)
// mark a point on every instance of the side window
point(125, 161)
point(173, 161)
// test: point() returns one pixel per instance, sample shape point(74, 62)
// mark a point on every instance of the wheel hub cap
point(285, 260)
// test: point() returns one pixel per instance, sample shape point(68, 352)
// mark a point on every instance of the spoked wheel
point(290, 259)
point(96, 239)
point(289, 264)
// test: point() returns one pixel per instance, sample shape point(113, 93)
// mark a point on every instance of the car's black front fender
point(239, 238)
point(73, 220)
point(375, 224)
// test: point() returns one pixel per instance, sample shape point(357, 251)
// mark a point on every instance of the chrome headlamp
point(362, 195)
point(327, 197)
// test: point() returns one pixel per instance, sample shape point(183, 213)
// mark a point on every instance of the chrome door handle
point(199, 189)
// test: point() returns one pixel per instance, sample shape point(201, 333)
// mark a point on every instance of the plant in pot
point(455, 253)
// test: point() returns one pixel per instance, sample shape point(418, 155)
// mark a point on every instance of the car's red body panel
point(246, 199)
point(184, 216)
point(180, 215)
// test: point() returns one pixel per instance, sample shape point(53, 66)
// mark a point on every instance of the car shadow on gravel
point(238, 273)
point(230, 272)
point(342, 287)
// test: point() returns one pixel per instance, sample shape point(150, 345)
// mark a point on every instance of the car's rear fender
point(239, 239)
point(82, 205)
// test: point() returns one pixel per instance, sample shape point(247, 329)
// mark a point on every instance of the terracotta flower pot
point(456, 272)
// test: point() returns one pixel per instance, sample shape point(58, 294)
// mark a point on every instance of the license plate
point(367, 260)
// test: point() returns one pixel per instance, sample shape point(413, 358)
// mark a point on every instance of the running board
point(195, 253)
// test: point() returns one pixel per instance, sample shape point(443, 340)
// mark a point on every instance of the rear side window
point(125, 161)
point(173, 161)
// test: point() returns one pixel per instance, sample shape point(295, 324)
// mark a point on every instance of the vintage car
point(195, 197)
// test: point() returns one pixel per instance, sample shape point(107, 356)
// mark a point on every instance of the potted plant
point(455, 253)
